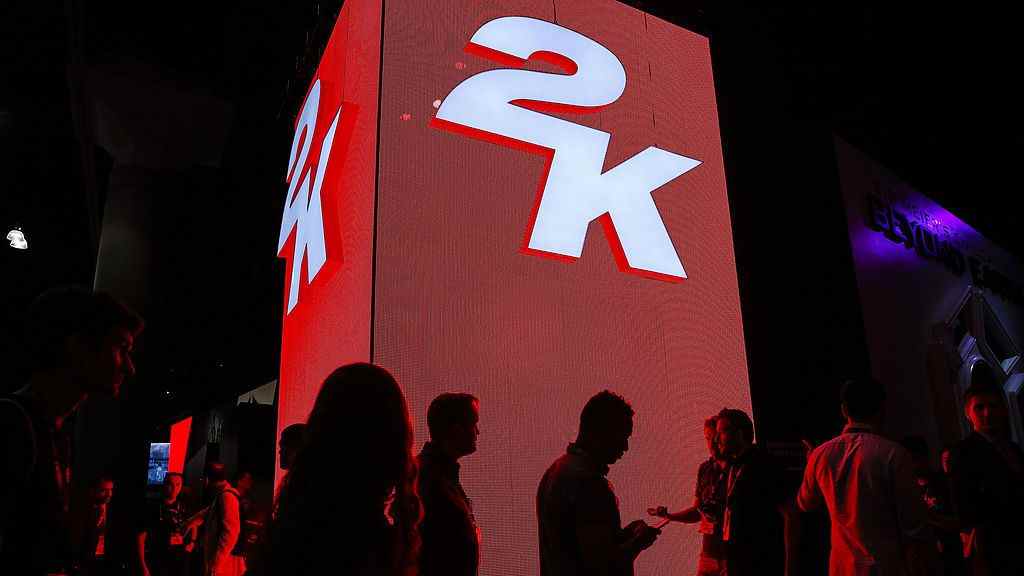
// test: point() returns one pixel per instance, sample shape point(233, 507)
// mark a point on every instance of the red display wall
point(179, 445)
point(330, 324)
point(460, 304)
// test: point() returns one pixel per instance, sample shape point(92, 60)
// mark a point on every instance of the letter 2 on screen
point(303, 211)
point(503, 104)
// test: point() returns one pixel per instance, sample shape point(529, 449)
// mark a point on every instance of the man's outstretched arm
point(689, 515)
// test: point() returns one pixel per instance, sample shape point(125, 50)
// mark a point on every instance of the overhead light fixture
point(17, 239)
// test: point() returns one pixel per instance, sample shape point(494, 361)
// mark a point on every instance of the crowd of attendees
point(356, 499)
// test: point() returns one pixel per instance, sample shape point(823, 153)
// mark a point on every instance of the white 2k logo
point(303, 211)
point(576, 191)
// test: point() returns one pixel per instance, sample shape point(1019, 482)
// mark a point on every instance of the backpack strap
point(216, 505)
point(239, 548)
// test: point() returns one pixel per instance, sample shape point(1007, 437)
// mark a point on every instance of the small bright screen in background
point(159, 452)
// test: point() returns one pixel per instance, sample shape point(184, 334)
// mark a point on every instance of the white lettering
point(576, 191)
point(303, 212)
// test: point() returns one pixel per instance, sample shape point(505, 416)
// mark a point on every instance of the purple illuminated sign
point(934, 240)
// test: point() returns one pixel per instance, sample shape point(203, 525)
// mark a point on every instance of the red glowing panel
point(462, 302)
point(179, 445)
point(525, 155)
point(327, 316)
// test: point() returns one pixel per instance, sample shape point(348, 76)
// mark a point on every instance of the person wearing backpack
point(223, 525)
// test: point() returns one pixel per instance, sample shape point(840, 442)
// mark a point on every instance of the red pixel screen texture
point(458, 305)
point(330, 325)
point(179, 445)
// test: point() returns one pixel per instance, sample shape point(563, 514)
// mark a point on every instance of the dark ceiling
point(928, 93)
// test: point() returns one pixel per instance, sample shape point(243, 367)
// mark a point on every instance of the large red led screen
point(549, 230)
point(536, 211)
point(326, 232)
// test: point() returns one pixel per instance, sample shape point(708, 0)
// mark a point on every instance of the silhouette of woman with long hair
point(348, 504)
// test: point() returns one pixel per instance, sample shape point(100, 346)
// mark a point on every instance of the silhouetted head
point(87, 336)
point(291, 441)
point(356, 462)
point(985, 403)
point(103, 491)
point(734, 432)
point(172, 486)
point(361, 409)
point(606, 424)
point(244, 482)
point(214, 474)
point(453, 420)
point(863, 400)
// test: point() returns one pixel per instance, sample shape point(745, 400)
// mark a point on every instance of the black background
point(926, 91)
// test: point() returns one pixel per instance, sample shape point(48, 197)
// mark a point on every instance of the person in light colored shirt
point(879, 519)
point(223, 525)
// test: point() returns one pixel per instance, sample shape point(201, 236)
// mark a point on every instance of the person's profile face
point(467, 432)
point(947, 461)
point(987, 413)
point(709, 439)
point(104, 492)
point(172, 487)
point(106, 364)
point(730, 439)
point(617, 441)
point(286, 454)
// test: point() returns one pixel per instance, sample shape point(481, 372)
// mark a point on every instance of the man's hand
point(640, 536)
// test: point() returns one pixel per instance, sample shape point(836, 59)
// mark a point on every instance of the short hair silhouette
point(604, 409)
point(215, 472)
point(983, 383)
point(292, 435)
point(447, 410)
point(62, 312)
point(739, 420)
point(863, 398)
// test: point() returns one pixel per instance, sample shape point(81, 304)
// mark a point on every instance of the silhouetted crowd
point(355, 498)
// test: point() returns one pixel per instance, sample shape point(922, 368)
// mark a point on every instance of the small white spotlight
point(17, 239)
